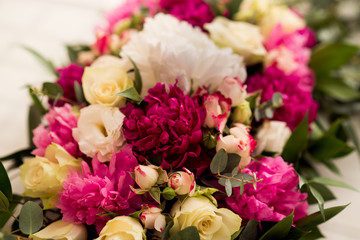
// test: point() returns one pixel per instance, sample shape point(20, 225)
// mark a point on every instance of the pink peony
point(60, 123)
point(295, 91)
point(87, 194)
point(68, 76)
point(276, 196)
point(195, 12)
point(169, 127)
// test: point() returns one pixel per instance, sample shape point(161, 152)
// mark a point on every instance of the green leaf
point(214, 7)
point(312, 235)
point(349, 129)
point(166, 234)
point(236, 234)
point(79, 93)
point(309, 222)
point(4, 203)
point(333, 182)
point(329, 147)
point(254, 99)
point(31, 218)
point(267, 109)
point(52, 90)
point(34, 119)
point(186, 234)
point(73, 51)
point(297, 142)
point(138, 80)
point(233, 7)
point(228, 187)
point(295, 233)
point(323, 190)
point(10, 237)
point(209, 140)
point(280, 230)
point(5, 185)
point(302, 180)
point(155, 194)
point(232, 163)
point(319, 199)
point(337, 89)
point(37, 102)
point(5, 216)
point(250, 232)
point(331, 56)
point(45, 62)
point(131, 93)
point(219, 162)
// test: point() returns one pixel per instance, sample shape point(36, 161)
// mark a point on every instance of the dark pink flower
point(296, 92)
point(275, 197)
point(195, 12)
point(169, 126)
point(68, 76)
point(90, 193)
point(60, 122)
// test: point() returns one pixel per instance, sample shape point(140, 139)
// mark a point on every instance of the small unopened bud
point(242, 113)
point(152, 218)
point(182, 182)
point(145, 176)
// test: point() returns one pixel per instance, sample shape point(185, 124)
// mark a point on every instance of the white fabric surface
point(47, 25)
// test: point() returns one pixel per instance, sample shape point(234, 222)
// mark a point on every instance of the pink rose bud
point(145, 176)
point(182, 182)
point(152, 218)
point(217, 111)
point(234, 89)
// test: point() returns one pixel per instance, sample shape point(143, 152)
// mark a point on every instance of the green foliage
point(37, 102)
point(5, 185)
point(279, 230)
point(233, 7)
point(250, 232)
point(34, 119)
point(74, 50)
point(186, 234)
point(53, 90)
point(267, 109)
point(333, 182)
point(138, 79)
point(79, 93)
point(31, 218)
point(45, 62)
point(131, 93)
point(219, 162)
point(4, 202)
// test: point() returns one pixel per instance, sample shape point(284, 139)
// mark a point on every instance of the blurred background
point(47, 25)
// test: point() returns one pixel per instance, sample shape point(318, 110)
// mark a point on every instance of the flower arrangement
point(185, 119)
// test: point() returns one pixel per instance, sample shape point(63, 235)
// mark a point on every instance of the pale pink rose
point(183, 182)
point(239, 142)
point(233, 88)
point(99, 131)
point(217, 111)
point(145, 176)
point(152, 218)
point(283, 58)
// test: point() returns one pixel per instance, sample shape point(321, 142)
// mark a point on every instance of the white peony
point(169, 49)
point(99, 131)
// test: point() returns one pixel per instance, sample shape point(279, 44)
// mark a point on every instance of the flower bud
point(182, 182)
point(217, 111)
point(233, 88)
point(242, 113)
point(152, 218)
point(145, 176)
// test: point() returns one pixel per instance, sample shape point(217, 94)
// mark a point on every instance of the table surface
point(47, 25)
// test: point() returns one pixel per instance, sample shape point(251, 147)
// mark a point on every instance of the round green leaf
point(31, 218)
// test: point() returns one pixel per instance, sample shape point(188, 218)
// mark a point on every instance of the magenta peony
point(195, 12)
point(297, 100)
point(169, 127)
point(68, 76)
point(60, 122)
point(88, 194)
point(276, 195)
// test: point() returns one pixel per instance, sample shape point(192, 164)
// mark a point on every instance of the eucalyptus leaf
point(333, 182)
point(319, 199)
point(311, 221)
point(131, 93)
point(250, 232)
point(280, 230)
point(166, 234)
point(45, 62)
point(138, 80)
point(186, 234)
point(297, 142)
point(228, 187)
point(219, 162)
point(232, 163)
point(4, 203)
point(31, 218)
point(79, 92)
point(5, 185)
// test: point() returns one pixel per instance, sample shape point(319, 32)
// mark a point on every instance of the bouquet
point(185, 119)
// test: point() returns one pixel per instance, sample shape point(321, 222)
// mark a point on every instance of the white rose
point(211, 222)
point(145, 176)
point(252, 10)
point(99, 131)
point(239, 142)
point(272, 136)
point(62, 231)
point(282, 15)
point(43, 176)
point(152, 218)
point(244, 38)
point(103, 80)
point(233, 88)
point(122, 228)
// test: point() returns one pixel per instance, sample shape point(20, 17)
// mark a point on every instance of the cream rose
point(272, 136)
point(62, 231)
point(122, 228)
point(244, 38)
point(152, 218)
point(99, 131)
point(239, 141)
point(211, 222)
point(103, 80)
point(145, 176)
point(280, 15)
point(233, 88)
point(43, 176)
point(252, 10)
point(182, 182)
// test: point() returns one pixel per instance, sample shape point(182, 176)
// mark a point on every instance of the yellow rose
point(60, 230)
point(244, 38)
point(211, 222)
point(43, 176)
point(282, 15)
point(122, 228)
point(101, 83)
